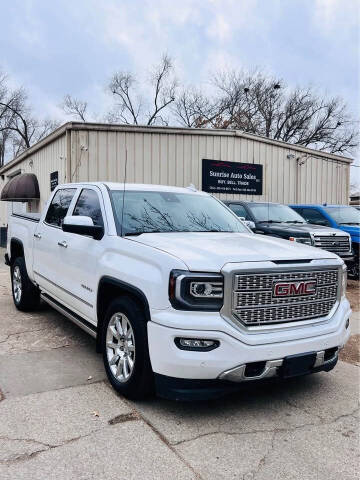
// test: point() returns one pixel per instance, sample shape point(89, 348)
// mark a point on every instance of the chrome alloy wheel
point(120, 347)
point(17, 285)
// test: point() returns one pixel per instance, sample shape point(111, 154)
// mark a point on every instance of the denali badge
point(293, 289)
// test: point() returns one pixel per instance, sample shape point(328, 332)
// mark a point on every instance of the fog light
point(347, 323)
point(196, 344)
point(305, 240)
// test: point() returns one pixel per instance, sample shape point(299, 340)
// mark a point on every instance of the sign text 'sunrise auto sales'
point(231, 177)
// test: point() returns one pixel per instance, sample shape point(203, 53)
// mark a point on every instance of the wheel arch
point(16, 249)
point(110, 288)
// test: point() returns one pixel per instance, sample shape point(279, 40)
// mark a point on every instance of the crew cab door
point(47, 268)
point(79, 256)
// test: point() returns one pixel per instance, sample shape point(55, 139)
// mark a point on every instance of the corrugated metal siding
point(175, 159)
point(49, 159)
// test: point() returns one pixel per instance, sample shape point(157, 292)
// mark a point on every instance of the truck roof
point(139, 186)
point(319, 205)
point(251, 202)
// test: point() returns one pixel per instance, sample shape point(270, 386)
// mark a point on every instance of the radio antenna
point(123, 197)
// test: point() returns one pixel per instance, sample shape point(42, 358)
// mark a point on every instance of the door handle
point(63, 244)
point(37, 235)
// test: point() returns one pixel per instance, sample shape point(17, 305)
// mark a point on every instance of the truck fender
point(16, 249)
point(110, 288)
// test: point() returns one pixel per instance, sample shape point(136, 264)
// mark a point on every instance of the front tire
point(25, 295)
point(125, 349)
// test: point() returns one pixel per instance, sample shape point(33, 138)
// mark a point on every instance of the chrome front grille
point(337, 244)
point(265, 281)
point(253, 301)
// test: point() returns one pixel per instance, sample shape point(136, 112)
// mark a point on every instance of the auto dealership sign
point(231, 177)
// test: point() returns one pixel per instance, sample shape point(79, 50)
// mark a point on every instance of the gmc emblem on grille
point(293, 289)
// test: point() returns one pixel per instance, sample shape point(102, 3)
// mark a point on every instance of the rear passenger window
point(59, 206)
point(88, 205)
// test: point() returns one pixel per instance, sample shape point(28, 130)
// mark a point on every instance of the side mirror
point(82, 225)
point(250, 224)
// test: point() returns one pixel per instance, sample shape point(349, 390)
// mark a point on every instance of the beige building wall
point(50, 158)
point(170, 156)
point(289, 176)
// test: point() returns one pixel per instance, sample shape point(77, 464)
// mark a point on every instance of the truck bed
point(21, 230)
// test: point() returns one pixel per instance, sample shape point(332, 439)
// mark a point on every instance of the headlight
point(196, 291)
point(343, 281)
point(305, 240)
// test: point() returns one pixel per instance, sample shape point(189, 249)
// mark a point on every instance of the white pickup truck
point(180, 295)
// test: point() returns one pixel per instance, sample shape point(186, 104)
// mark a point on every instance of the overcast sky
point(72, 46)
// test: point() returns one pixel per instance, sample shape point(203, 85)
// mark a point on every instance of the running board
point(79, 321)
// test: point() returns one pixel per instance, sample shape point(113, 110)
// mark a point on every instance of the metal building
point(180, 156)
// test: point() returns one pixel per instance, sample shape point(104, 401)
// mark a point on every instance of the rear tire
point(25, 295)
point(125, 349)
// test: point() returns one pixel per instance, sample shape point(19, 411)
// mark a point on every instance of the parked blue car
point(344, 217)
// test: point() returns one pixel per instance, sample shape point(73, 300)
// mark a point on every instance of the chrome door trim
point(63, 289)
point(80, 322)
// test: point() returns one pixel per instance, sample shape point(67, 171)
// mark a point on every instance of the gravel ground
point(353, 294)
point(351, 352)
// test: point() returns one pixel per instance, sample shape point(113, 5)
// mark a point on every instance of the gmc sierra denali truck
point(180, 295)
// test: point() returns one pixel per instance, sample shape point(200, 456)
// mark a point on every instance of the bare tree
point(19, 129)
point(74, 107)
point(194, 109)
point(131, 108)
point(265, 106)
point(35, 130)
point(354, 184)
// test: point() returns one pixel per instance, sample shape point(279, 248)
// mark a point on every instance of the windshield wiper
point(269, 221)
point(349, 223)
point(295, 221)
point(210, 231)
point(133, 234)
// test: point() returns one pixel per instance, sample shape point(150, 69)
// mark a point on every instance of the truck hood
point(207, 251)
point(297, 229)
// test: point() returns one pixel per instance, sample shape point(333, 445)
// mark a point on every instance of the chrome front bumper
point(272, 368)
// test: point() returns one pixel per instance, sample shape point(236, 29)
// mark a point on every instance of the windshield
point(146, 212)
point(344, 215)
point(270, 212)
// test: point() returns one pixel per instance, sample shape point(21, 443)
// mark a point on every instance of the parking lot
point(59, 417)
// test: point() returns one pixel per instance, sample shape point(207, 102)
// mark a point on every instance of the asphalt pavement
point(60, 419)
